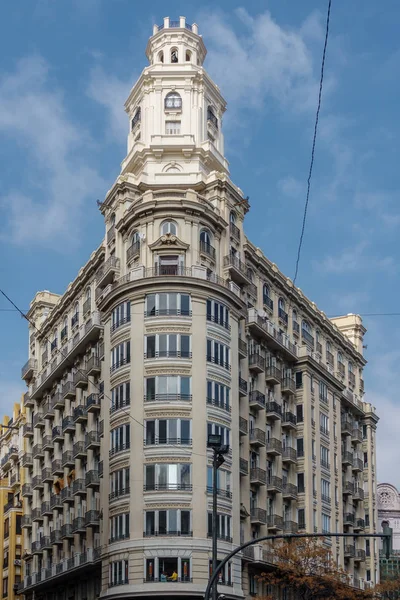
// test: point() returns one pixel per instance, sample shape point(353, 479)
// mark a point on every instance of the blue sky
point(65, 71)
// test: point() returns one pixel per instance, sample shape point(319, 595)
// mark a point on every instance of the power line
point(313, 143)
point(80, 371)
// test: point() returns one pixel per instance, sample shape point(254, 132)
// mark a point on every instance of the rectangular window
point(168, 431)
point(325, 490)
point(169, 345)
point(324, 423)
point(323, 392)
point(168, 522)
point(299, 379)
point(218, 353)
point(120, 439)
point(172, 127)
point(119, 483)
point(166, 388)
point(119, 527)
point(218, 313)
point(218, 395)
point(168, 304)
point(120, 355)
point(300, 483)
point(224, 432)
point(120, 315)
point(224, 531)
point(299, 413)
point(301, 516)
point(223, 482)
point(163, 476)
point(325, 457)
point(314, 454)
point(365, 459)
point(326, 523)
point(120, 396)
point(119, 572)
point(300, 447)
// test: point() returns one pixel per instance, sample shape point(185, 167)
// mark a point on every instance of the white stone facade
point(176, 327)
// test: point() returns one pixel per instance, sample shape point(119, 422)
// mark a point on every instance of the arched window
point(65, 323)
point(306, 332)
point(232, 217)
point(174, 55)
point(88, 293)
point(340, 357)
point(266, 291)
point(168, 227)
point(173, 101)
point(295, 323)
point(328, 346)
point(267, 297)
point(135, 238)
point(188, 56)
point(211, 116)
point(351, 368)
point(112, 219)
point(205, 236)
point(134, 249)
point(250, 274)
point(282, 314)
point(54, 341)
point(160, 56)
point(136, 118)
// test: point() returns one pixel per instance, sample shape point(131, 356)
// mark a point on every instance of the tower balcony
point(289, 491)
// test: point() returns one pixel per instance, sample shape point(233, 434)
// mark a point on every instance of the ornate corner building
point(388, 505)
point(178, 326)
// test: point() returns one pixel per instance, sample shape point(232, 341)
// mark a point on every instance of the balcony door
point(169, 264)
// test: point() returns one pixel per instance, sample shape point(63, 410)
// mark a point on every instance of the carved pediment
point(168, 241)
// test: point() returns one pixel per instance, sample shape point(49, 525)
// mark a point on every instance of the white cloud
point(291, 187)
point(111, 92)
point(263, 61)
point(355, 259)
point(47, 205)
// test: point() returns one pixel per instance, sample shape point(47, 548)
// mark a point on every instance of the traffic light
point(388, 541)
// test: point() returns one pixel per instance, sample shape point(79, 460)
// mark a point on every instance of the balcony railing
point(243, 425)
point(207, 249)
point(290, 527)
point(330, 358)
point(234, 231)
point(258, 515)
point(283, 316)
point(289, 419)
point(288, 385)
point(92, 478)
point(277, 339)
point(257, 362)
point(243, 385)
point(258, 475)
point(289, 489)
point(244, 466)
point(307, 337)
point(256, 399)
point(289, 454)
point(257, 436)
point(29, 368)
point(274, 410)
point(274, 522)
point(273, 446)
point(272, 373)
point(274, 483)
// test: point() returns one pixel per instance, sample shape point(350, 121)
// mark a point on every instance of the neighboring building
point(177, 327)
point(388, 505)
point(11, 482)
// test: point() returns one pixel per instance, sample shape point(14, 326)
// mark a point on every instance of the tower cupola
point(175, 112)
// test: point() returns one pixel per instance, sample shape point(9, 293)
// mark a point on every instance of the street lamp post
point(215, 443)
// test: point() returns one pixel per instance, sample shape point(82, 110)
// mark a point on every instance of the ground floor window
point(168, 569)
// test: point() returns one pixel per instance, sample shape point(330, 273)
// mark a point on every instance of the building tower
point(178, 327)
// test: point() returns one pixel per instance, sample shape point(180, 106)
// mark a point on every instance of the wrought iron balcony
point(79, 450)
point(244, 466)
point(242, 346)
point(47, 475)
point(256, 400)
point(243, 426)
point(347, 427)
point(46, 509)
point(29, 369)
point(348, 487)
point(68, 459)
point(266, 330)
point(26, 521)
point(56, 537)
point(359, 524)
point(92, 440)
point(307, 337)
point(288, 385)
point(348, 519)
point(238, 269)
point(356, 436)
point(37, 482)
point(68, 424)
point(358, 464)
point(66, 495)
point(289, 490)
point(92, 518)
point(347, 458)
point(78, 525)
point(274, 484)
point(80, 379)
point(57, 434)
point(289, 455)
point(358, 494)
point(57, 401)
point(107, 272)
point(274, 410)
point(258, 476)
point(47, 442)
point(38, 420)
point(349, 551)
point(93, 365)
point(207, 249)
point(257, 436)
point(68, 390)
point(27, 490)
point(36, 514)
point(274, 522)
point(79, 487)
point(290, 527)
point(258, 516)
point(56, 501)
point(66, 530)
point(268, 303)
point(256, 363)
point(27, 460)
point(92, 479)
point(242, 387)
point(133, 251)
point(289, 420)
point(80, 414)
point(234, 231)
point(283, 316)
point(273, 446)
